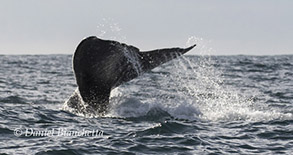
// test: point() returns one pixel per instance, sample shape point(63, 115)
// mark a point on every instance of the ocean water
point(191, 105)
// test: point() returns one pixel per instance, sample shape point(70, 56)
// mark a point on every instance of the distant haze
point(226, 27)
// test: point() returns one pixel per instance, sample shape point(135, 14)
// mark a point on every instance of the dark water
point(194, 105)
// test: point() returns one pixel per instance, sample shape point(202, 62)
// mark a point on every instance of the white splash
point(189, 88)
point(109, 29)
point(133, 59)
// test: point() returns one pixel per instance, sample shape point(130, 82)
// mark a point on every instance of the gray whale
point(102, 65)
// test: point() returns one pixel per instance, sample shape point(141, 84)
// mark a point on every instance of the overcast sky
point(220, 27)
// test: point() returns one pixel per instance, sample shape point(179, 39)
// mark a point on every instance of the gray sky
point(219, 26)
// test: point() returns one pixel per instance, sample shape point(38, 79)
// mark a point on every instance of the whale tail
point(102, 65)
point(152, 59)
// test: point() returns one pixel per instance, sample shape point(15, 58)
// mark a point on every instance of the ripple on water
point(193, 105)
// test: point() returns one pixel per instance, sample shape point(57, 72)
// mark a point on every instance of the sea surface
point(191, 105)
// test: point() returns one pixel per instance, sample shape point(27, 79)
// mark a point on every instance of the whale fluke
point(102, 65)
